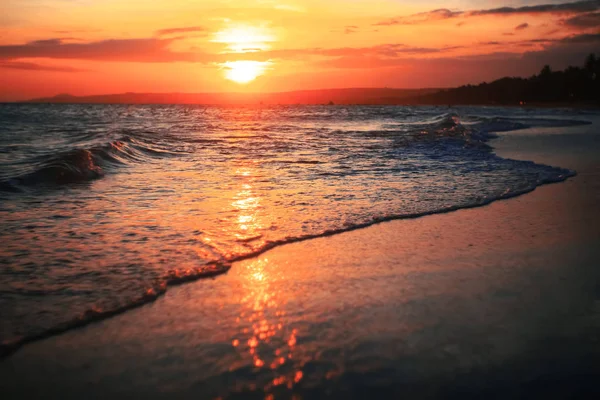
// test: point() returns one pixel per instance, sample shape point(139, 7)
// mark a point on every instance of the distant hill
point(323, 96)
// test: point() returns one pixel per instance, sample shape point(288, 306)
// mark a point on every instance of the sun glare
point(244, 71)
point(245, 38)
point(241, 38)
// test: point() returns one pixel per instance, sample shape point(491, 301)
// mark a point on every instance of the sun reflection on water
point(246, 205)
point(264, 337)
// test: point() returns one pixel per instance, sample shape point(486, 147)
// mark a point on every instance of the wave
point(506, 124)
point(80, 165)
point(73, 166)
point(96, 314)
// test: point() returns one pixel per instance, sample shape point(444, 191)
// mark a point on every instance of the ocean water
point(104, 206)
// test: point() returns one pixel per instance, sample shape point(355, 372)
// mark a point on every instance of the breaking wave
point(79, 165)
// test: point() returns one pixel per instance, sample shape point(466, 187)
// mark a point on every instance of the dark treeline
point(577, 85)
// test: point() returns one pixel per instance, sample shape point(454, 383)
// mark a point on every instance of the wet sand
point(501, 301)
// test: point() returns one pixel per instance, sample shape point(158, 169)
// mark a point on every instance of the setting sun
point(244, 39)
point(244, 71)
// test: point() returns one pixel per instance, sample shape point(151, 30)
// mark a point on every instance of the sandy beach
point(501, 301)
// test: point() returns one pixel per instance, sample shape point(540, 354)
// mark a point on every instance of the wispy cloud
point(583, 39)
point(578, 39)
point(37, 67)
point(350, 29)
point(564, 8)
point(154, 50)
point(389, 50)
point(505, 62)
point(187, 29)
point(589, 20)
point(443, 14)
point(129, 50)
point(435, 15)
point(536, 52)
point(521, 27)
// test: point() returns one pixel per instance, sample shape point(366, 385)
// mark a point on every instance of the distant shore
point(582, 106)
point(345, 97)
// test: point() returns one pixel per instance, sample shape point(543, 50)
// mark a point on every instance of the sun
point(244, 39)
point(244, 71)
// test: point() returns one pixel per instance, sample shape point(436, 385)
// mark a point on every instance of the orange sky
point(110, 46)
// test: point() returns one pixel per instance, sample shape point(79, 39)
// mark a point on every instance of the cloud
point(590, 20)
point(155, 50)
point(564, 8)
point(570, 50)
point(444, 13)
point(577, 39)
point(72, 31)
point(585, 38)
point(435, 15)
point(390, 50)
point(522, 26)
point(48, 42)
point(126, 50)
point(37, 67)
point(188, 29)
point(348, 29)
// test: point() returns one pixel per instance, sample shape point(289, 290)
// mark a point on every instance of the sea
point(104, 207)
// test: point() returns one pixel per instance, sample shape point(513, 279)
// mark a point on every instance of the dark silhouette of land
point(323, 96)
point(575, 86)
